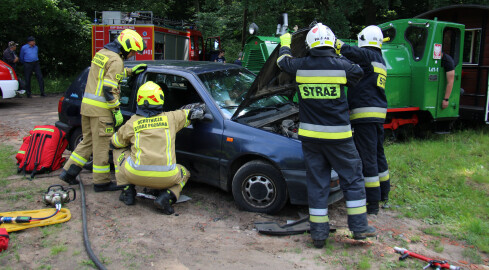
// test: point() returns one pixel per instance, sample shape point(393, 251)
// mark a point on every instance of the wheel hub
point(259, 191)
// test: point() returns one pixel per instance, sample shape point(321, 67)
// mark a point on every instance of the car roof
point(197, 67)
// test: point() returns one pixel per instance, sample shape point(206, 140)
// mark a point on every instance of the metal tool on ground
point(435, 264)
point(56, 195)
point(297, 227)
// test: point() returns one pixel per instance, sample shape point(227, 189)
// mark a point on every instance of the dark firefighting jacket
point(321, 78)
point(367, 99)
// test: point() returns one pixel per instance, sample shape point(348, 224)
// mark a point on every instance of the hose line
point(86, 241)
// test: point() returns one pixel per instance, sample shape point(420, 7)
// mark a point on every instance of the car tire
point(259, 187)
point(75, 138)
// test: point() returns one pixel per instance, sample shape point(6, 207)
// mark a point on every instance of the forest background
point(62, 28)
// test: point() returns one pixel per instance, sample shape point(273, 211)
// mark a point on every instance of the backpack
point(42, 150)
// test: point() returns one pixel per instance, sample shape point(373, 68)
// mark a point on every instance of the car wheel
point(259, 187)
point(75, 138)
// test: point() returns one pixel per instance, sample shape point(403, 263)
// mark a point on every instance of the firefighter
point(100, 109)
point(145, 149)
point(325, 130)
point(368, 108)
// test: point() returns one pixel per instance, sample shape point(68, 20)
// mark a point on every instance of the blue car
point(246, 144)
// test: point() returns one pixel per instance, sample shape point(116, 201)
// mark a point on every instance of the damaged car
point(246, 144)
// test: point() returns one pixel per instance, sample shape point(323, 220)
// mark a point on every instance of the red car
point(8, 81)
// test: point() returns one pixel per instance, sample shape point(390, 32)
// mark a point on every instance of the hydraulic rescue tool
point(435, 264)
point(56, 195)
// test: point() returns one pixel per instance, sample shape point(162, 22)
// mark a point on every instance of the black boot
point(385, 204)
point(128, 195)
point(369, 232)
point(164, 202)
point(70, 175)
point(372, 208)
point(111, 186)
point(319, 233)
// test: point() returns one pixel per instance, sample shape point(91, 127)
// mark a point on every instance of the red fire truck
point(165, 39)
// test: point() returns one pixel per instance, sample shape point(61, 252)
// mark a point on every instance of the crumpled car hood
point(271, 80)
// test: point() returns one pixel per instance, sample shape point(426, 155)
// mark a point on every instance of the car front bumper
point(297, 187)
point(9, 88)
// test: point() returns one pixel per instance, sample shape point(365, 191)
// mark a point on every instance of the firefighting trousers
point(343, 158)
point(369, 140)
point(174, 183)
point(97, 132)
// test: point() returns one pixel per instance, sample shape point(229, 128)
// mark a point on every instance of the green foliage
point(62, 33)
point(439, 181)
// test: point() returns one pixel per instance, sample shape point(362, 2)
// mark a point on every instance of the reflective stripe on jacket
point(152, 141)
point(321, 78)
point(367, 100)
point(102, 89)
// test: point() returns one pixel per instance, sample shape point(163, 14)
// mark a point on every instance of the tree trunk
point(243, 33)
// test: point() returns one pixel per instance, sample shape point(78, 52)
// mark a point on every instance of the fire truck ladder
point(99, 37)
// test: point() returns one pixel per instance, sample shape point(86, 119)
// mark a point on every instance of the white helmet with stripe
point(319, 36)
point(370, 36)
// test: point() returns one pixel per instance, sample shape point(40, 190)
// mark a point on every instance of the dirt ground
point(208, 232)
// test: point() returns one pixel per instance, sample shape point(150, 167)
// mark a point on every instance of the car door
point(198, 146)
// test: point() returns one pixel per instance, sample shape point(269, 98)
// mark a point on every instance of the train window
point(417, 36)
point(451, 43)
point(389, 33)
point(472, 46)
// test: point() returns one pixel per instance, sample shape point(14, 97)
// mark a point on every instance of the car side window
point(178, 90)
point(126, 93)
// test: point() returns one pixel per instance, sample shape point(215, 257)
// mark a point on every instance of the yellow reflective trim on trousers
point(356, 210)
point(380, 71)
point(95, 103)
point(372, 184)
point(325, 135)
point(168, 147)
point(130, 169)
point(337, 80)
point(367, 115)
point(45, 129)
point(384, 178)
point(101, 169)
point(319, 219)
point(79, 157)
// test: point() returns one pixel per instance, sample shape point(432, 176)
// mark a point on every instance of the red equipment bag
point(3, 239)
point(42, 151)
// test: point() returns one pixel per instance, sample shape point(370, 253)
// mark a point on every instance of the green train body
point(416, 82)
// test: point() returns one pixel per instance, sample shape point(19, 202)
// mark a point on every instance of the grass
point(444, 181)
point(7, 163)
point(58, 248)
point(52, 85)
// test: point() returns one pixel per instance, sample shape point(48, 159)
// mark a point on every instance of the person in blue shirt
point(29, 57)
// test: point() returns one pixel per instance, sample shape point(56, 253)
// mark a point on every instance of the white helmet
point(370, 36)
point(320, 35)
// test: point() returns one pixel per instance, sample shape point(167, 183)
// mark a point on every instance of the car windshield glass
point(228, 88)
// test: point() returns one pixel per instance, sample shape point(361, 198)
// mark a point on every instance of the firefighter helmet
point(370, 36)
point(150, 95)
point(319, 36)
point(130, 40)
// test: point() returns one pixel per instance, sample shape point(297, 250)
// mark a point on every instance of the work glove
point(197, 113)
point(118, 117)
point(138, 69)
point(285, 40)
point(337, 46)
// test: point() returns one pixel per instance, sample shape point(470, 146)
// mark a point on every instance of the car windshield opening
point(229, 88)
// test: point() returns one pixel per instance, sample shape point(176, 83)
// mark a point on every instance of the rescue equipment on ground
point(435, 264)
point(42, 150)
point(55, 195)
point(3, 239)
point(297, 227)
